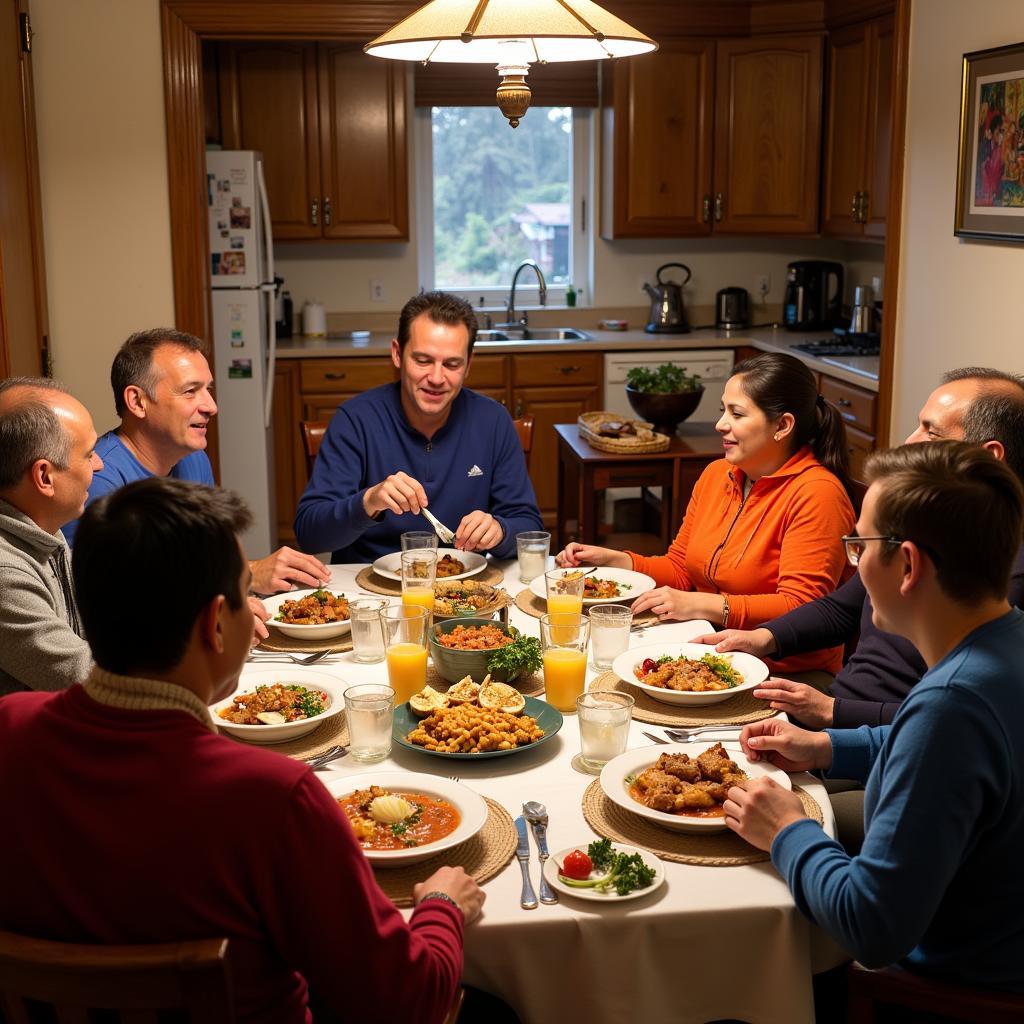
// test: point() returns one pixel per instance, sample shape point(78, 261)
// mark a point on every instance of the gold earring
point(776, 437)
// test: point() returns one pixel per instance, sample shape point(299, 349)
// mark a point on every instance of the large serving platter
point(390, 566)
point(631, 585)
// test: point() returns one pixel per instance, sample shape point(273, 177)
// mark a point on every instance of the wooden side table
point(584, 472)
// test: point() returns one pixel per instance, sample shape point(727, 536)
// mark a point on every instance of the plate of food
point(275, 705)
point(309, 614)
point(689, 673)
point(465, 597)
point(684, 787)
point(482, 732)
point(401, 818)
point(451, 564)
point(605, 585)
point(604, 872)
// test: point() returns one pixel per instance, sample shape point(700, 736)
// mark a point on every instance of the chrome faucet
point(523, 321)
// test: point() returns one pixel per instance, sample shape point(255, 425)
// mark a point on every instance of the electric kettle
point(667, 313)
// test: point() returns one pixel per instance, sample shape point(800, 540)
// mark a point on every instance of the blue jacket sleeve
point(330, 513)
point(513, 502)
point(827, 622)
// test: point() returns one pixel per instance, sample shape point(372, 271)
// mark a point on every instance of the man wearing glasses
point(935, 884)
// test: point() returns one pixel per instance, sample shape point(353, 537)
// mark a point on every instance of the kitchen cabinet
point(710, 137)
point(332, 129)
point(858, 147)
point(859, 410)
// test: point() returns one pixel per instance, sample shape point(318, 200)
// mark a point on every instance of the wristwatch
point(436, 894)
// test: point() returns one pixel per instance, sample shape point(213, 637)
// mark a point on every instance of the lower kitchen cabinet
point(858, 408)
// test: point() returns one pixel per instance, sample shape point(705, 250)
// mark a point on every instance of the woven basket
point(496, 599)
point(590, 424)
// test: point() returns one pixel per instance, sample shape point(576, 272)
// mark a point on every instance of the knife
point(540, 834)
point(439, 528)
point(528, 899)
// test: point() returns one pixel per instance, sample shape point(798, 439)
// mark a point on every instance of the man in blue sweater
point(423, 441)
point(938, 884)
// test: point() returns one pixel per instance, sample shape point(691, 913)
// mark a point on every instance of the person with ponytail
point(762, 529)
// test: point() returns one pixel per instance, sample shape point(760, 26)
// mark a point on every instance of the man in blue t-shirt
point(937, 882)
point(163, 394)
point(423, 441)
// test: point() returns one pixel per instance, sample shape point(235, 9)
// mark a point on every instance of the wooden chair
point(130, 983)
point(894, 987)
point(312, 432)
point(524, 428)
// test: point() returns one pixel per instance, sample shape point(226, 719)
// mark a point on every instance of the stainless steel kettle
point(668, 316)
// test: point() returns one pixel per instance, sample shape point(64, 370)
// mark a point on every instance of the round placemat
point(528, 686)
point(331, 732)
point(527, 601)
point(736, 710)
point(369, 580)
point(711, 849)
point(482, 857)
point(279, 643)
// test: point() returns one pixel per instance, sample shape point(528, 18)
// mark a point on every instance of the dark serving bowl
point(665, 411)
point(453, 665)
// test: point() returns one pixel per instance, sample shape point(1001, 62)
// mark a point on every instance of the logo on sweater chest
point(475, 470)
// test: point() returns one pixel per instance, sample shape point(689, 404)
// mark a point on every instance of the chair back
point(524, 428)
point(312, 432)
point(130, 983)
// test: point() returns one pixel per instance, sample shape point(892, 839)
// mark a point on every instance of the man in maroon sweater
point(130, 820)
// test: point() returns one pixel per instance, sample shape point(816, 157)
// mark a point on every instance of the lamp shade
point(478, 32)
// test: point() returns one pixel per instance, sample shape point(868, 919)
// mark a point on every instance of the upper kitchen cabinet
point(858, 145)
point(332, 129)
point(719, 137)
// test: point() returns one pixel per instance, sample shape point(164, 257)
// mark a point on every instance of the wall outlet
point(763, 284)
point(377, 291)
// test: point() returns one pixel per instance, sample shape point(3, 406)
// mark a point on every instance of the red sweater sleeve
point(669, 570)
point(328, 917)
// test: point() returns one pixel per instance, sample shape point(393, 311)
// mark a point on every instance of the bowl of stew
point(446, 814)
point(309, 614)
point(460, 647)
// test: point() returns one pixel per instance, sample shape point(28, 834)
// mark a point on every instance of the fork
point(685, 735)
point(309, 659)
point(439, 528)
point(324, 759)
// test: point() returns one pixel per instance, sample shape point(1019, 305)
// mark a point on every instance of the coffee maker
point(814, 295)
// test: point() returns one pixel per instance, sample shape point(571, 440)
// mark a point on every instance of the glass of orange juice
point(419, 570)
point(564, 637)
point(405, 632)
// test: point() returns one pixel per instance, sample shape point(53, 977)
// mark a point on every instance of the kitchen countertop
point(860, 370)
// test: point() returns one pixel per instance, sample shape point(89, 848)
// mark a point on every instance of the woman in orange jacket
point(762, 530)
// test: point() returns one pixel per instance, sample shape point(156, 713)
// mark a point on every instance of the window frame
point(581, 236)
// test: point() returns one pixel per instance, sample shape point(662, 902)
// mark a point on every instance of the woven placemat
point(482, 857)
point(527, 601)
point(331, 732)
point(369, 580)
point(529, 686)
point(736, 710)
point(278, 642)
point(711, 849)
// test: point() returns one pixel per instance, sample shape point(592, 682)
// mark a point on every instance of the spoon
point(537, 815)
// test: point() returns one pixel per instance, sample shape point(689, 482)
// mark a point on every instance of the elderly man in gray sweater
point(47, 459)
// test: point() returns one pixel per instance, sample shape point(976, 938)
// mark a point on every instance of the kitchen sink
point(516, 334)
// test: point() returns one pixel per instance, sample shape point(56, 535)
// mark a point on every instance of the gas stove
point(844, 344)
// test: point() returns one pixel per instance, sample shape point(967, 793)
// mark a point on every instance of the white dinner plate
point(631, 585)
point(323, 631)
point(632, 762)
point(390, 566)
point(296, 674)
point(471, 806)
point(552, 865)
point(753, 670)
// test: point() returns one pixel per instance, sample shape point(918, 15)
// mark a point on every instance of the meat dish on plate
point(315, 609)
point(276, 704)
point(711, 672)
point(384, 819)
point(679, 784)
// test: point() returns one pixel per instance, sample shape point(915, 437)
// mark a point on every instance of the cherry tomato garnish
point(577, 865)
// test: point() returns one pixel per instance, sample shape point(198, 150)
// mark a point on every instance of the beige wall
point(103, 171)
point(959, 299)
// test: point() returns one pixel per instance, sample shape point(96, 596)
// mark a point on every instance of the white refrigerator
point(244, 340)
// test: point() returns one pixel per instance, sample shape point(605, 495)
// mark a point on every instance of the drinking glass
point(419, 570)
point(604, 717)
point(369, 710)
point(563, 640)
point(405, 632)
point(419, 539)
point(367, 630)
point(533, 549)
point(565, 593)
point(609, 633)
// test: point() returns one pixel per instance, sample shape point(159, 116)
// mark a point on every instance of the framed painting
point(990, 169)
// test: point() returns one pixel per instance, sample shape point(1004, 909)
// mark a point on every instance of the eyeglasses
point(855, 545)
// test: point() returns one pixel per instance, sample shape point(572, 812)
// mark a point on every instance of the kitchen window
point(489, 196)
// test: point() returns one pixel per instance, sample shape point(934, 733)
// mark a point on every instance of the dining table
point(712, 943)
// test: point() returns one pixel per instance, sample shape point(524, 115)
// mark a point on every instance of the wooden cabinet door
point(269, 103)
point(767, 135)
point(363, 145)
point(289, 458)
point(548, 406)
point(879, 126)
point(657, 146)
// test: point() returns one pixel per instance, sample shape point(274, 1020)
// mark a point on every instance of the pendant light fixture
point(511, 35)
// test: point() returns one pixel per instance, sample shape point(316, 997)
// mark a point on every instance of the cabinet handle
point(864, 207)
point(705, 209)
point(855, 207)
point(314, 211)
point(570, 369)
point(519, 409)
point(327, 211)
point(719, 206)
point(844, 402)
point(335, 376)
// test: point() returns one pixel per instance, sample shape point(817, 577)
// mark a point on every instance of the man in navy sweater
point(423, 441)
point(938, 883)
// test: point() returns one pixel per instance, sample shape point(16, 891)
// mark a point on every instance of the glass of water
point(604, 717)
point(533, 549)
point(609, 633)
point(369, 710)
point(414, 539)
point(367, 630)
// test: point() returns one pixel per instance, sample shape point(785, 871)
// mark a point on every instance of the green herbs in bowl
point(519, 658)
point(664, 396)
point(666, 379)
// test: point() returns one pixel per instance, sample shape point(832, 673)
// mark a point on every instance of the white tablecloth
point(713, 942)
